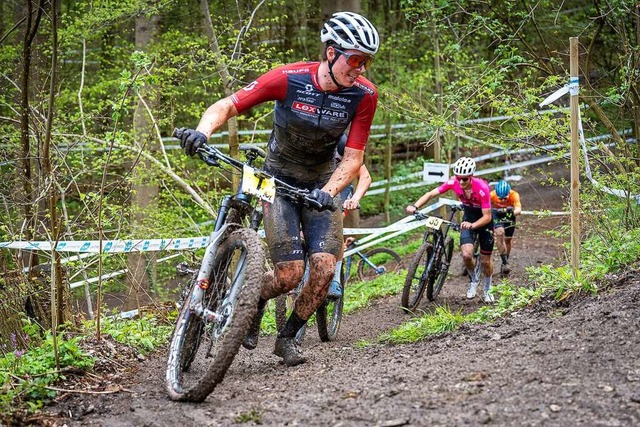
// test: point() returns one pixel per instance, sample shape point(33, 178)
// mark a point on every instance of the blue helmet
point(502, 189)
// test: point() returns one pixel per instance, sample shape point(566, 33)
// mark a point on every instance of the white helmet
point(351, 31)
point(464, 166)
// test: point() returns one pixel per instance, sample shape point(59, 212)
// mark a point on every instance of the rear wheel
point(384, 259)
point(200, 351)
point(417, 277)
point(440, 271)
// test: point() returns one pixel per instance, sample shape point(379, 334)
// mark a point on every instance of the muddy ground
point(569, 363)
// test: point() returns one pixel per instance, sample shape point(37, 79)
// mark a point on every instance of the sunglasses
point(356, 60)
point(463, 178)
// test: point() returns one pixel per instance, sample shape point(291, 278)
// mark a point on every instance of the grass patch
point(599, 257)
point(419, 328)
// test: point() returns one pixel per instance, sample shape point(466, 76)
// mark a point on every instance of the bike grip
point(313, 203)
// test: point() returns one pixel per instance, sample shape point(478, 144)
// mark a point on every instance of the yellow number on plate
point(257, 185)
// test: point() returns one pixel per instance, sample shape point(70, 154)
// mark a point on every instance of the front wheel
point(435, 286)
point(417, 277)
point(201, 351)
point(329, 314)
point(385, 260)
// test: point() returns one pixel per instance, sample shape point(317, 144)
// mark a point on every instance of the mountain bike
point(430, 265)
point(218, 303)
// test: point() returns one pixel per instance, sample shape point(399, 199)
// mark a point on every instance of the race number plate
point(433, 222)
point(256, 185)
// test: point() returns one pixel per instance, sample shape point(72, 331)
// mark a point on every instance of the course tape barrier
point(112, 246)
point(185, 243)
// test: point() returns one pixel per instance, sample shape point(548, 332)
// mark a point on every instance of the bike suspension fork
point(222, 212)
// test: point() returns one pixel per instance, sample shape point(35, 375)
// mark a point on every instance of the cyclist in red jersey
point(474, 194)
point(315, 102)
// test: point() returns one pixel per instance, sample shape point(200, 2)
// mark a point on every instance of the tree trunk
point(26, 198)
point(227, 79)
point(60, 300)
point(142, 270)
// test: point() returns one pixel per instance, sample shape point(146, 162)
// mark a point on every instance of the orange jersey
point(513, 200)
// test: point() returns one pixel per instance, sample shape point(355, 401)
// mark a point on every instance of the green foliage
point(253, 416)
point(419, 328)
point(358, 295)
point(606, 252)
point(27, 372)
point(144, 333)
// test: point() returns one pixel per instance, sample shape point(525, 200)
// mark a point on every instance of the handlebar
point(508, 210)
point(213, 156)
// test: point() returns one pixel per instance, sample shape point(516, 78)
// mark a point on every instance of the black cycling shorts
point(485, 235)
point(284, 219)
point(508, 225)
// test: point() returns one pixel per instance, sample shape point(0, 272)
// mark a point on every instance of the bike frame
point(439, 238)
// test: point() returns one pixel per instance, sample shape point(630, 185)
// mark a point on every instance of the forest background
point(91, 91)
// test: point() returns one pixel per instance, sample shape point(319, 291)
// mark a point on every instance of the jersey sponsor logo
point(307, 93)
point(339, 99)
point(364, 88)
point(309, 100)
point(333, 113)
point(250, 86)
point(296, 71)
point(338, 106)
point(312, 109)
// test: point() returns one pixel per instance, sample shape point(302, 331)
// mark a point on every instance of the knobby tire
point(440, 270)
point(417, 277)
point(329, 314)
point(237, 267)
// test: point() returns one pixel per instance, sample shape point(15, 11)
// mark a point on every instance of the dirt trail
point(573, 363)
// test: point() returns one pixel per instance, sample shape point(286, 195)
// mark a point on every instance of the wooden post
point(575, 157)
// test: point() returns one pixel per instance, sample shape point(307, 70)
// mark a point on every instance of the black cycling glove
point(190, 140)
point(324, 199)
